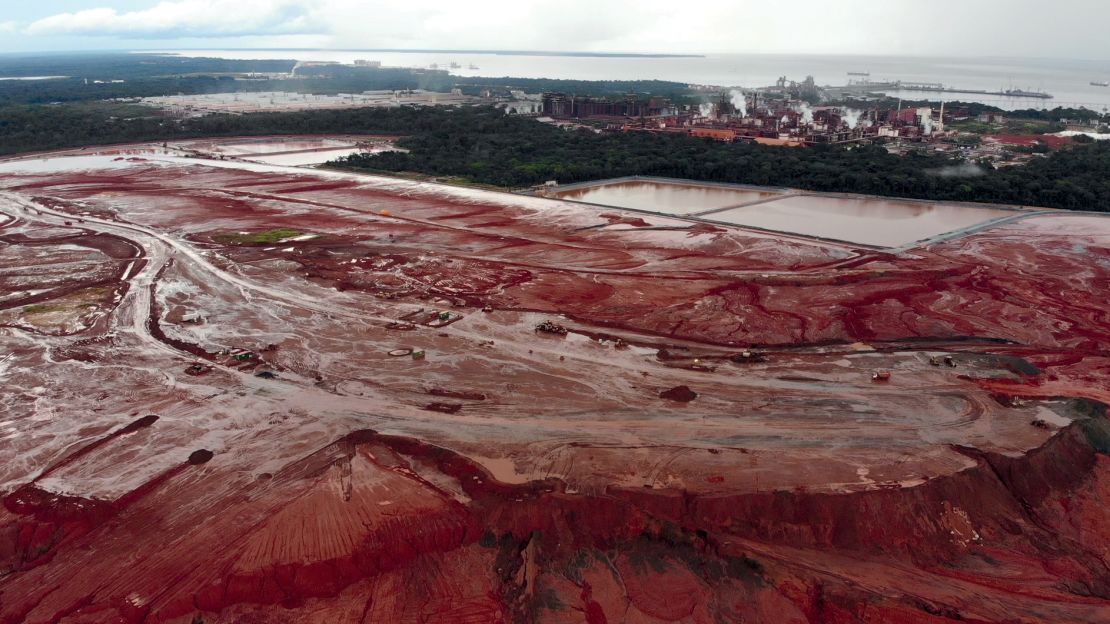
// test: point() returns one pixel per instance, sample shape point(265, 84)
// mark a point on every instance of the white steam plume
point(850, 116)
point(705, 109)
point(806, 111)
point(739, 102)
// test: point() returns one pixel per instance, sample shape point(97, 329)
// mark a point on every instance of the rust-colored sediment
point(357, 419)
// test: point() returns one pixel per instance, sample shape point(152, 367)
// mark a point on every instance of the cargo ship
point(1100, 83)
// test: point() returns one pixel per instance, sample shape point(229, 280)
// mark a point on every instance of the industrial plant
point(789, 114)
point(756, 116)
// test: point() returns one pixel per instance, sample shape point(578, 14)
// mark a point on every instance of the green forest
point(29, 128)
point(486, 147)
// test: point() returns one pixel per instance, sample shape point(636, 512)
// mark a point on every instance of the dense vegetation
point(483, 146)
point(127, 66)
point(44, 127)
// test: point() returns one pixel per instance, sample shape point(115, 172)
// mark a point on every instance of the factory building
point(561, 105)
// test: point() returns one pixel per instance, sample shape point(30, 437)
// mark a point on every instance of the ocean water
point(1068, 80)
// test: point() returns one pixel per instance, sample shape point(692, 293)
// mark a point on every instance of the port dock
point(936, 87)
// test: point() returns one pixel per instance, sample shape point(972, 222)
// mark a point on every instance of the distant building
point(720, 134)
point(561, 105)
point(903, 116)
point(1075, 125)
point(778, 142)
point(958, 114)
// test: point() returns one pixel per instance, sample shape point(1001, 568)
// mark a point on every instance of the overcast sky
point(1041, 28)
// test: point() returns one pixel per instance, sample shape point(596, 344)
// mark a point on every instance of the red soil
point(513, 475)
point(1029, 140)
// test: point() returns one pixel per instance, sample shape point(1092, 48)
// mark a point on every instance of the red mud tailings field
point(234, 393)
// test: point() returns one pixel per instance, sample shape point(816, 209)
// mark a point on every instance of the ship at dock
point(1025, 94)
point(940, 88)
point(866, 85)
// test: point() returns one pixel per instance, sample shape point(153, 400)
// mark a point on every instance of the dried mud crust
point(237, 436)
point(61, 280)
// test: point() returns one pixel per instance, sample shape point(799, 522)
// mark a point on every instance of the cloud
point(477, 24)
point(185, 18)
point(942, 27)
point(581, 25)
point(8, 27)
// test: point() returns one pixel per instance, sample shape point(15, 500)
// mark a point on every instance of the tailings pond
point(291, 151)
point(667, 197)
point(874, 221)
point(870, 221)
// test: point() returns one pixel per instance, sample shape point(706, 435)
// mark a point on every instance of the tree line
point(149, 75)
point(483, 145)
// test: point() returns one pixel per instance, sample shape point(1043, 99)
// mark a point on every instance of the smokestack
point(940, 126)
